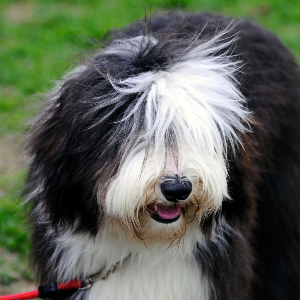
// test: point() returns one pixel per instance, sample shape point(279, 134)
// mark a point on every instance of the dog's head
point(138, 135)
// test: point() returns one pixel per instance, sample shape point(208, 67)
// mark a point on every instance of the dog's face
point(173, 171)
point(144, 129)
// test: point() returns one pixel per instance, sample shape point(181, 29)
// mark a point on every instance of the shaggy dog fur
point(177, 143)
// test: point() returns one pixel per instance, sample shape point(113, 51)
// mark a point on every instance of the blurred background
point(38, 41)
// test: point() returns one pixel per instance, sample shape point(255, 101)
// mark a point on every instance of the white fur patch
point(197, 100)
point(159, 273)
point(170, 279)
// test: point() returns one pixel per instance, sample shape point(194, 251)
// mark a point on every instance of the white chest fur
point(153, 279)
point(157, 272)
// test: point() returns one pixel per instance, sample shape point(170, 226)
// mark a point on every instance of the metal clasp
point(87, 284)
point(101, 275)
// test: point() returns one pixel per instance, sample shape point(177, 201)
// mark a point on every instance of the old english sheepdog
point(172, 152)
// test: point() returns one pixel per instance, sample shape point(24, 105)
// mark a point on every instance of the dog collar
point(102, 274)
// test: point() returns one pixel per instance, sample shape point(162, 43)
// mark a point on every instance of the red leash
point(52, 289)
point(22, 296)
point(46, 291)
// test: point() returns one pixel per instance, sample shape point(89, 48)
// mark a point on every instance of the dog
point(171, 157)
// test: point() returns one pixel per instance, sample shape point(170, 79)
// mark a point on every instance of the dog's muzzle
point(175, 190)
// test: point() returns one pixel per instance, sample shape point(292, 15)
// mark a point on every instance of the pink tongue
point(169, 212)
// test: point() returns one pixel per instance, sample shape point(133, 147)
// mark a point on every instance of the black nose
point(176, 189)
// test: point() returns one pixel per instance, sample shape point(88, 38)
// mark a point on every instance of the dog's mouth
point(164, 214)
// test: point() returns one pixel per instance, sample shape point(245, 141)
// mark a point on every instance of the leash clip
point(101, 275)
point(86, 284)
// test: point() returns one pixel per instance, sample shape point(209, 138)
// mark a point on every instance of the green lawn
point(38, 42)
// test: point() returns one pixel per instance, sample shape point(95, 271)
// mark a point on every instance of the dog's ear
point(69, 154)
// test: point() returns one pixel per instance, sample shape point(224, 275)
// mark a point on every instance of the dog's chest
point(149, 279)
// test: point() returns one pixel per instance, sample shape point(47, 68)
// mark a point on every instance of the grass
point(39, 39)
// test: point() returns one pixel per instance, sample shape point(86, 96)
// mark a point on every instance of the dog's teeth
point(155, 207)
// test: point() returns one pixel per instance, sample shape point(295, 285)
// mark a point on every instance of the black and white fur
point(183, 98)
